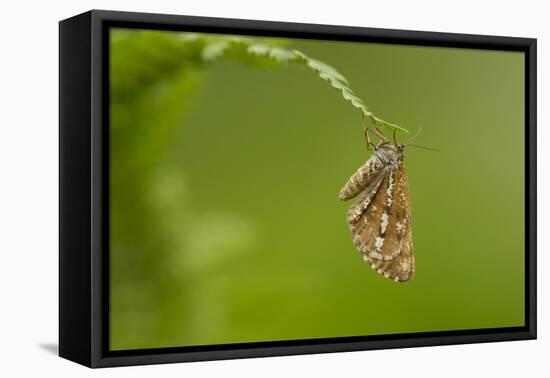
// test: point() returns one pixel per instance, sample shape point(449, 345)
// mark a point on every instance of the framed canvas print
point(233, 188)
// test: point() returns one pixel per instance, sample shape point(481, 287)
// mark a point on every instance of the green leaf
point(281, 55)
point(257, 49)
point(389, 126)
point(326, 70)
point(355, 101)
point(215, 48)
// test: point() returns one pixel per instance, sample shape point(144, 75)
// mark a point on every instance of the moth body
point(380, 220)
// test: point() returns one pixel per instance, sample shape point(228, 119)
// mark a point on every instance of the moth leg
point(370, 145)
point(380, 134)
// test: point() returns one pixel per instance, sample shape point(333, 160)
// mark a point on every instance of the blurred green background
point(225, 223)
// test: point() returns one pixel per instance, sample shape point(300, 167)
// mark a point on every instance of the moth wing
point(382, 232)
point(398, 253)
point(402, 267)
point(360, 207)
point(362, 178)
point(364, 216)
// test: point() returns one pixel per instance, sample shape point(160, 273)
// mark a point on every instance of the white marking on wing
point(389, 191)
point(379, 243)
point(399, 226)
point(405, 266)
point(375, 255)
point(384, 222)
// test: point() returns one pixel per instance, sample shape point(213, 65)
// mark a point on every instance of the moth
point(380, 221)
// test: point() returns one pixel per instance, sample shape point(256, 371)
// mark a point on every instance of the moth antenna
point(423, 147)
point(394, 139)
point(415, 135)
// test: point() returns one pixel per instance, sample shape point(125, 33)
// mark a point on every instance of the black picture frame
point(84, 188)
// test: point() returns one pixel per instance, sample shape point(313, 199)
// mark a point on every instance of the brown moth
point(380, 221)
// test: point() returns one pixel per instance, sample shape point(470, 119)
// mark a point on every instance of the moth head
point(390, 153)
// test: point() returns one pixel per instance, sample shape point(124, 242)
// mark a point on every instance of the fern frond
point(215, 48)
